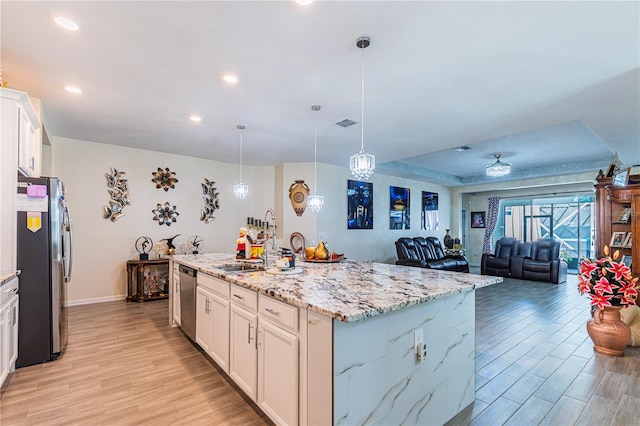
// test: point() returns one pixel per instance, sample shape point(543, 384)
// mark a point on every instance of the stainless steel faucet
point(270, 214)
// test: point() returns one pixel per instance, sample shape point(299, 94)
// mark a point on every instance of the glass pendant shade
point(498, 168)
point(240, 190)
point(362, 165)
point(315, 202)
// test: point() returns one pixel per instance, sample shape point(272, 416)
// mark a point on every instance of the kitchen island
point(345, 336)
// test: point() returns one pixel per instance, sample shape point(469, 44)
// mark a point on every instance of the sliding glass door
point(567, 219)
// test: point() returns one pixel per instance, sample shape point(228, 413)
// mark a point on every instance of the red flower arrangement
point(608, 281)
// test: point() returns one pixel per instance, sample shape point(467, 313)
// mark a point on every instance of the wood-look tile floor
point(125, 366)
point(535, 363)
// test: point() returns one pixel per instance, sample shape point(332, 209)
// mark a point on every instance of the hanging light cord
point(362, 106)
point(240, 155)
point(315, 158)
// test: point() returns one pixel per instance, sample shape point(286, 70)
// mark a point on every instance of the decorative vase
point(298, 193)
point(609, 334)
point(448, 241)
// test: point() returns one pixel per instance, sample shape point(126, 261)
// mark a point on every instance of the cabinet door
point(4, 347)
point(243, 363)
point(176, 294)
point(219, 349)
point(12, 333)
point(203, 319)
point(278, 373)
point(26, 145)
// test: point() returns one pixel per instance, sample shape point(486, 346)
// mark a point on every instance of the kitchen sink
point(241, 267)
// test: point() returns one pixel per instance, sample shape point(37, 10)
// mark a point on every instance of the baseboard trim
point(95, 300)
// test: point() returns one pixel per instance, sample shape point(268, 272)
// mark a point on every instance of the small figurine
point(243, 244)
point(170, 247)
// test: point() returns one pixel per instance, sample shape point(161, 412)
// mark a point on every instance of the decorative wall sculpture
point(210, 201)
point(117, 187)
point(429, 211)
point(399, 207)
point(164, 179)
point(360, 205)
point(165, 215)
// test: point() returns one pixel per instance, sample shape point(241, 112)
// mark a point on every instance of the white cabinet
point(26, 144)
point(203, 318)
point(8, 328)
point(278, 373)
point(219, 349)
point(20, 122)
point(243, 366)
point(175, 293)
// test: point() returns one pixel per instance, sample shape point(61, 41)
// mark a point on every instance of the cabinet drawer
point(278, 312)
point(216, 285)
point(244, 297)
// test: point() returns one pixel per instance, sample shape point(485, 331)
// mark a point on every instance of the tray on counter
point(324, 261)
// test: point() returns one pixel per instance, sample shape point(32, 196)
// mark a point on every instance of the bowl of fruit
point(321, 254)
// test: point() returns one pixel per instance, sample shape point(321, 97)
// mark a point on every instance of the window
point(567, 219)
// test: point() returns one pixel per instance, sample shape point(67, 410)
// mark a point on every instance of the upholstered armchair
point(435, 258)
point(497, 264)
point(544, 264)
point(409, 253)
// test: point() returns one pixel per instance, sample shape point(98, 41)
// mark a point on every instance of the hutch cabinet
point(147, 280)
point(617, 219)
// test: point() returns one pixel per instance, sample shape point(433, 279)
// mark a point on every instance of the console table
point(147, 280)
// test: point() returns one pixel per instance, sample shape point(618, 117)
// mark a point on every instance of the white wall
point(102, 247)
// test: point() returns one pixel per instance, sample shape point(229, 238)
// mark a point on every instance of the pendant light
point(362, 163)
point(240, 190)
point(315, 201)
point(498, 168)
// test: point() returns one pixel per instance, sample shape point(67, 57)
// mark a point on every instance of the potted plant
point(610, 286)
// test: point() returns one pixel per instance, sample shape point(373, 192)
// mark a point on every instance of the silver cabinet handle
point(249, 340)
point(238, 296)
point(258, 343)
point(272, 312)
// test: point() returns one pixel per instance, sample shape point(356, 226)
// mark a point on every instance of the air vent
point(462, 148)
point(345, 123)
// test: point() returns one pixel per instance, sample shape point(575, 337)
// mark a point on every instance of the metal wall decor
point(164, 179)
point(117, 187)
point(165, 215)
point(210, 201)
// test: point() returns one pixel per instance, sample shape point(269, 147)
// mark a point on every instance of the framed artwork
point(627, 240)
point(478, 219)
point(359, 205)
point(611, 170)
point(627, 260)
point(399, 208)
point(617, 239)
point(429, 215)
point(621, 178)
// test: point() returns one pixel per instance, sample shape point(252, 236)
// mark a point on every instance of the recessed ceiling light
point(195, 118)
point(72, 89)
point(230, 78)
point(304, 2)
point(66, 23)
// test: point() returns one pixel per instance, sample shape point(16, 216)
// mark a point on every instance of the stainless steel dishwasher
point(188, 301)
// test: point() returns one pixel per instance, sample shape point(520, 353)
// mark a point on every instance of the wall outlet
point(422, 351)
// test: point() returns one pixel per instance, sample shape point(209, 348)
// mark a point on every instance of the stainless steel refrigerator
point(45, 258)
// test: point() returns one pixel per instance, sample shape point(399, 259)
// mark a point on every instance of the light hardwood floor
point(125, 366)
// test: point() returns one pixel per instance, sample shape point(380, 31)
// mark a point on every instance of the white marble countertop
point(7, 275)
point(347, 290)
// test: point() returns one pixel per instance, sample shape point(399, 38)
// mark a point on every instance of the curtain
point(492, 219)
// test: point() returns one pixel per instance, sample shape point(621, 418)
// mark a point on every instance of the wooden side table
point(147, 280)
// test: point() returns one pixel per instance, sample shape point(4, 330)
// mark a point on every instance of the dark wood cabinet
point(147, 280)
point(617, 219)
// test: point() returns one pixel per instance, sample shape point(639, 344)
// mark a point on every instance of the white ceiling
point(552, 86)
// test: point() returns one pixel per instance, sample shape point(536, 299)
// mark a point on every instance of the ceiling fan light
point(362, 165)
point(498, 168)
point(315, 202)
